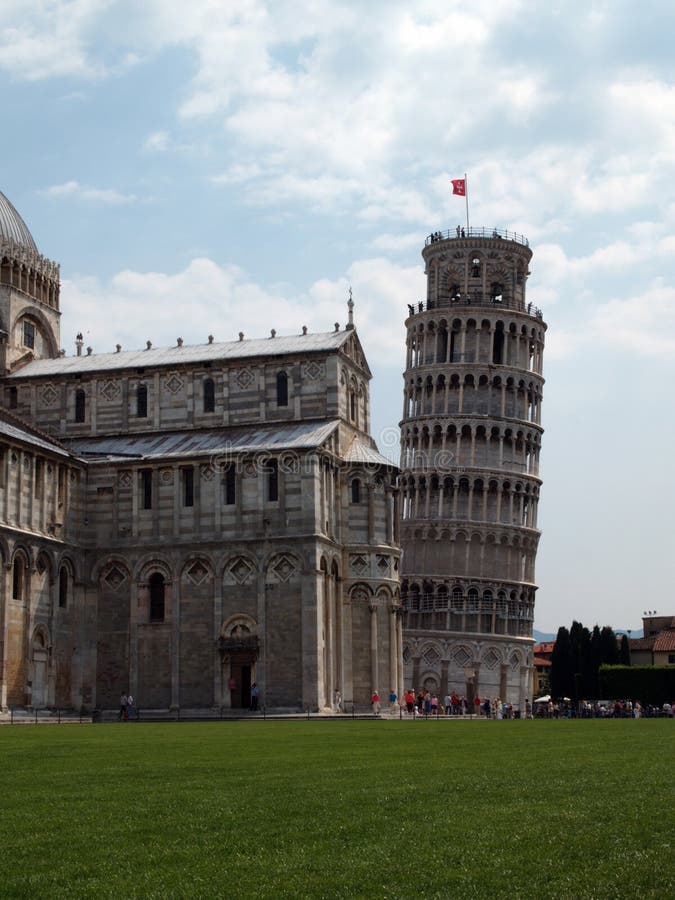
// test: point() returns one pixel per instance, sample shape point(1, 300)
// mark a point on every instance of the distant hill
point(541, 636)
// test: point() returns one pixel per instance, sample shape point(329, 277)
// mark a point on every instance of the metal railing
point(461, 301)
point(460, 233)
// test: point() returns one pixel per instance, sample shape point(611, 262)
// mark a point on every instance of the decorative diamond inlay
point(198, 572)
point(284, 568)
point(207, 471)
point(125, 479)
point(244, 378)
point(173, 384)
point(311, 371)
point(431, 656)
point(491, 659)
point(114, 578)
point(110, 390)
point(383, 564)
point(515, 661)
point(358, 564)
point(241, 570)
point(462, 657)
point(49, 395)
point(406, 654)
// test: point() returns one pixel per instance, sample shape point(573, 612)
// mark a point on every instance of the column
point(373, 648)
point(393, 650)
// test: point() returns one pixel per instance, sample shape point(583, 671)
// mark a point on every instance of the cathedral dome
point(12, 226)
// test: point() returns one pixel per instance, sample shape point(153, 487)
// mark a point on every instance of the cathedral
point(183, 523)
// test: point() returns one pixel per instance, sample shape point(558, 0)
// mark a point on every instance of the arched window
point(356, 491)
point(209, 395)
point(142, 401)
point(63, 587)
point(272, 480)
point(230, 485)
point(157, 588)
point(282, 389)
point(18, 572)
point(498, 345)
point(80, 405)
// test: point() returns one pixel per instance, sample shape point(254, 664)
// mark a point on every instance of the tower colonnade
point(470, 450)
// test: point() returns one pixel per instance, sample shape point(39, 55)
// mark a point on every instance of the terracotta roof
point(540, 661)
point(544, 647)
point(664, 642)
point(644, 643)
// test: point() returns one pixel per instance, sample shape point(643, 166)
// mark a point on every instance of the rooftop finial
point(350, 307)
point(79, 343)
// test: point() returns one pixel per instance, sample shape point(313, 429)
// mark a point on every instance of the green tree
point(595, 661)
point(609, 650)
point(624, 651)
point(580, 640)
point(562, 671)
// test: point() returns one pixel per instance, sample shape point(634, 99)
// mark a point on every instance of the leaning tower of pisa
point(470, 442)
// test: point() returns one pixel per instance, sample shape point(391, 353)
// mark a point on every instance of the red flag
point(459, 186)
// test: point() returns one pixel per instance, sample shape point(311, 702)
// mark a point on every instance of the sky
point(215, 167)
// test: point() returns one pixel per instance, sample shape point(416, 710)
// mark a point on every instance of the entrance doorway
point(240, 684)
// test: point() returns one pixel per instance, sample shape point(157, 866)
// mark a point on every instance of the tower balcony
point(461, 302)
point(461, 234)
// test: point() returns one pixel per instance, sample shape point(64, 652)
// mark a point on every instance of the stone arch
point(238, 624)
point(152, 563)
point(46, 328)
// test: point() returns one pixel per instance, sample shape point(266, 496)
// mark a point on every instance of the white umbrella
point(545, 699)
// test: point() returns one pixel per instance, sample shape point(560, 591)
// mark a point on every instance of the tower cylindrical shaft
point(470, 444)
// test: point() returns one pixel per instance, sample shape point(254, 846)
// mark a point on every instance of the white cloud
point(157, 142)
point(95, 195)
point(224, 301)
point(643, 324)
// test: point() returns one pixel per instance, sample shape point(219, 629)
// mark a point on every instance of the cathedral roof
point(13, 227)
point(217, 443)
point(360, 451)
point(196, 353)
point(14, 429)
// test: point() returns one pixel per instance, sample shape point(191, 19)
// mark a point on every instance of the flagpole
point(466, 192)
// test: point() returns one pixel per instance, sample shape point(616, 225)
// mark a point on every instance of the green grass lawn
point(339, 809)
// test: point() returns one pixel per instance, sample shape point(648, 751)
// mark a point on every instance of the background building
point(470, 445)
point(182, 522)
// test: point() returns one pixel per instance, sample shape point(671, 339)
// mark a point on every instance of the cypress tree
point(562, 672)
point(595, 661)
point(609, 649)
point(624, 651)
